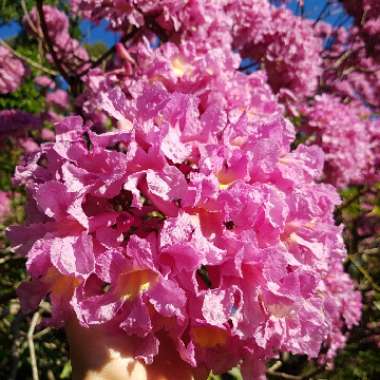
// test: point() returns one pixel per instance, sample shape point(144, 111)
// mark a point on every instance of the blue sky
point(93, 33)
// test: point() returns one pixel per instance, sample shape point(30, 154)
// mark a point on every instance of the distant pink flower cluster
point(16, 123)
point(58, 98)
point(123, 13)
point(349, 139)
point(350, 71)
point(285, 45)
point(367, 19)
point(12, 71)
point(68, 50)
point(174, 18)
point(194, 220)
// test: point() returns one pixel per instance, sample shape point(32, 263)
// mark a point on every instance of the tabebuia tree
point(209, 180)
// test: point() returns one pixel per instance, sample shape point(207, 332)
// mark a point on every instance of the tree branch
point(49, 43)
point(287, 376)
point(283, 375)
point(28, 60)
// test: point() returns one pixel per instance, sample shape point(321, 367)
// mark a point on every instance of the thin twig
point(370, 251)
point(29, 20)
point(322, 13)
point(302, 8)
point(287, 376)
point(32, 351)
point(41, 333)
point(364, 273)
point(28, 60)
point(251, 65)
point(283, 375)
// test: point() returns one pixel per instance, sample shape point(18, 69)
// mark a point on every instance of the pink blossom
point(58, 98)
point(284, 44)
point(143, 228)
point(44, 81)
point(345, 134)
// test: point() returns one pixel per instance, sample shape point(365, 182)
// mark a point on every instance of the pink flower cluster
point(24, 129)
point(174, 19)
point(348, 137)
point(285, 45)
point(349, 69)
point(123, 13)
point(12, 71)
point(194, 220)
point(68, 50)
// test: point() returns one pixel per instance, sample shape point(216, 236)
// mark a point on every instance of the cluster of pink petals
point(5, 206)
point(349, 139)
point(96, 82)
point(175, 18)
point(178, 67)
point(284, 44)
point(349, 70)
point(194, 220)
point(12, 71)
point(123, 13)
point(68, 50)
